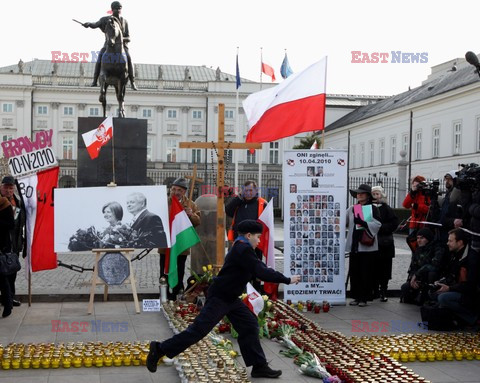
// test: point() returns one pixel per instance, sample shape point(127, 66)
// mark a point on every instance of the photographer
point(425, 268)
point(458, 293)
point(418, 202)
point(449, 211)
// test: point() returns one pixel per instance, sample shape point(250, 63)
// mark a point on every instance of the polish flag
point(295, 105)
point(268, 70)
point(254, 300)
point(96, 138)
point(267, 245)
point(314, 145)
point(38, 199)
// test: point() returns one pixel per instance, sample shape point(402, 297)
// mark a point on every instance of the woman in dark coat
point(6, 224)
point(386, 245)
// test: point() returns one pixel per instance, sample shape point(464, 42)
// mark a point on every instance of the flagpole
point(237, 129)
point(113, 156)
point(260, 150)
point(261, 63)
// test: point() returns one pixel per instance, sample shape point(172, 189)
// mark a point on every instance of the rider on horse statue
point(116, 10)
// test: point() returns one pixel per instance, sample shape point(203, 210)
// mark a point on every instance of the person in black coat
point(7, 223)
point(241, 265)
point(386, 245)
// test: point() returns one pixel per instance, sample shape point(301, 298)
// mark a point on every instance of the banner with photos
point(315, 190)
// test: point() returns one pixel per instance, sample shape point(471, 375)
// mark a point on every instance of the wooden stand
point(97, 281)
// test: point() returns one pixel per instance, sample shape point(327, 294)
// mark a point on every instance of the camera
point(435, 286)
point(468, 178)
point(429, 188)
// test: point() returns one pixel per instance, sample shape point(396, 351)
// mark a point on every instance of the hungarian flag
point(183, 237)
point(37, 193)
point(254, 300)
point(268, 70)
point(96, 138)
point(267, 245)
point(296, 105)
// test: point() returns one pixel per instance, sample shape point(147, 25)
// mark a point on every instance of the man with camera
point(448, 205)
point(419, 202)
point(459, 290)
point(425, 268)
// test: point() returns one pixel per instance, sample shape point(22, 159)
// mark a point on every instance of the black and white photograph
point(111, 217)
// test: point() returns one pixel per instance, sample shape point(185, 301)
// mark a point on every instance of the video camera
point(429, 188)
point(468, 178)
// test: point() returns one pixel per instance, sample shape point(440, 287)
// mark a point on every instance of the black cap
point(8, 180)
point(182, 182)
point(425, 233)
point(250, 226)
point(363, 188)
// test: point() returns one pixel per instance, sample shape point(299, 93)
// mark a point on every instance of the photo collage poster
point(315, 190)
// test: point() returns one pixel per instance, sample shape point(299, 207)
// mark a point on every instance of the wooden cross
point(193, 179)
point(220, 147)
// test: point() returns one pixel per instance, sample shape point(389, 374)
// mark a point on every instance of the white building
point(179, 104)
point(437, 124)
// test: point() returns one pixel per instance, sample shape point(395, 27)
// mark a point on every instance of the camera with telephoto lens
point(435, 286)
point(429, 188)
point(468, 178)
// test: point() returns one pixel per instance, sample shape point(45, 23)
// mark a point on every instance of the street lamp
point(472, 59)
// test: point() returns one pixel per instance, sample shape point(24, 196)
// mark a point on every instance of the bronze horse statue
point(114, 67)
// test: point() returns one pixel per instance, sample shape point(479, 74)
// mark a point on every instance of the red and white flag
point(314, 145)
point(268, 70)
point(37, 192)
point(254, 300)
point(267, 245)
point(96, 138)
point(295, 105)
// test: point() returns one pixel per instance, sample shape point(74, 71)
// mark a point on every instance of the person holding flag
point(178, 190)
point(223, 298)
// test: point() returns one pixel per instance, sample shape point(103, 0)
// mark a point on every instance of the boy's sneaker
point(154, 356)
point(264, 371)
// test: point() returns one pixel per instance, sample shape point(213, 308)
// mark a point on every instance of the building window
point(67, 147)
point(251, 157)
point(41, 124)
point(393, 149)
point(68, 125)
point(353, 156)
point(274, 152)
point(371, 156)
point(149, 148)
point(171, 150)
point(42, 109)
point(7, 122)
point(418, 145)
point(362, 155)
point(171, 113)
point(436, 142)
point(381, 151)
point(196, 156)
point(94, 112)
point(457, 138)
point(229, 114)
point(7, 108)
point(197, 129)
point(229, 128)
point(68, 110)
point(147, 113)
point(405, 144)
point(7, 137)
point(228, 156)
point(197, 114)
point(171, 127)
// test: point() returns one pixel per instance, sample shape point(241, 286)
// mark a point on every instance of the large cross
point(220, 147)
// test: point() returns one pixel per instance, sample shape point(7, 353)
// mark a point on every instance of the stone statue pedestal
point(207, 232)
point(130, 153)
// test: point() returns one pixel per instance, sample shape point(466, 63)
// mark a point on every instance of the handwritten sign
point(151, 305)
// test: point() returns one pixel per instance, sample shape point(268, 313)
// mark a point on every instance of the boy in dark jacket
point(241, 265)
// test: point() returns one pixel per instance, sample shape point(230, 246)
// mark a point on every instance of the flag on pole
point(285, 69)
point(38, 199)
point(268, 70)
point(295, 105)
point(267, 245)
point(239, 81)
point(254, 300)
point(183, 237)
point(314, 145)
point(96, 138)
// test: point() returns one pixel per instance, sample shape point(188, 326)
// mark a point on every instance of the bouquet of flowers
point(84, 239)
point(119, 236)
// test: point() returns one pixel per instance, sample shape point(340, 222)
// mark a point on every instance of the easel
point(220, 147)
point(95, 279)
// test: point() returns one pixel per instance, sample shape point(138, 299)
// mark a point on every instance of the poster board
point(315, 187)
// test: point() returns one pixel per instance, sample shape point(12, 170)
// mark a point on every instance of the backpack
point(437, 318)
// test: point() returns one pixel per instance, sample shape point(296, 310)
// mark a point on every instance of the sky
point(208, 32)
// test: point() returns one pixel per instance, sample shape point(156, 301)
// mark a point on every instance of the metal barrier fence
point(389, 184)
